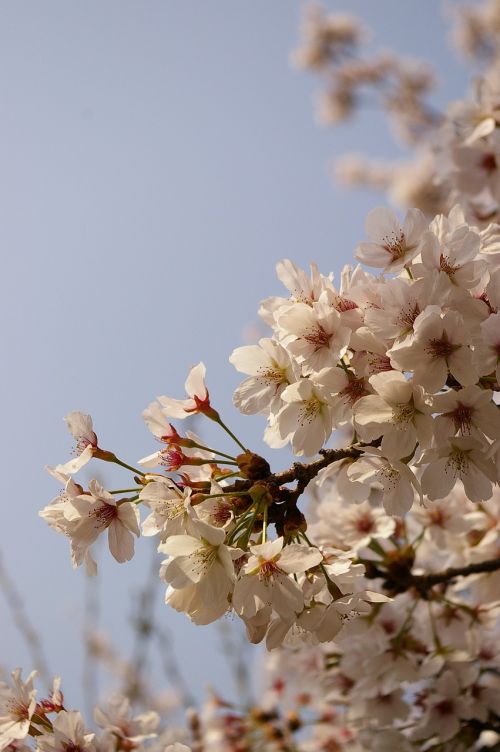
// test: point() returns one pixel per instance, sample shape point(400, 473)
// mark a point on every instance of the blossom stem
point(229, 475)
point(127, 467)
point(264, 524)
point(229, 432)
point(248, 533)
point(218, 495)
point(129, 500)
point(214, 460)
point(125, 490)
point(237, 529)
point(214, 451)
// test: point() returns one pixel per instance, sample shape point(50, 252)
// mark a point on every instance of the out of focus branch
point(426, 581)
point(23, 623)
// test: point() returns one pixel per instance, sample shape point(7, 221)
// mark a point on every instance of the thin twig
point(23, 624)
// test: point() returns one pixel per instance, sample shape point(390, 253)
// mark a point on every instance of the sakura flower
point(445, 707)
point(318, 623)
point(198, 400)
point(157, 422)
point(200, 572)
point(451, 248)
point(171, 510)
point(396, 480)
point(352, 526)
point(303, 288)
point(270, 371)
point(461, 458)
point(306, 417)
point(400, 302)
point(383, 707)
point(467, 412)
point(17, 705)
point(316, 335)
point(346, 388)
point(91, 514)
point(53, 513)
point(265, 581)
point(55, 516)
point(68, 734)
point(445, 519)
point(193, 559)
point(440, 346)
point(477, 166)
point(392, 245)
point(115, 717)
point(177, 747)
point(477, 118)
point(81, 428)
point(399, 412)
point(217, 511)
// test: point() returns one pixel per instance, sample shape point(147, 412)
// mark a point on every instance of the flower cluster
point(55, 728)
point(457, 158)
point(331, 47)
point(380, 598)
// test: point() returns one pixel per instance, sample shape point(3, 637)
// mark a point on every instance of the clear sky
point(157, 158)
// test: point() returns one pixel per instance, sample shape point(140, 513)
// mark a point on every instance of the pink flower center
point(445, 707)
point(173, 458)
point(461, 417)
point(268, 569)
point(378, 363)
point(446, 265)
point(365, 523)
point(309, 410)
point(70, 747)
point(82, 442)
point(344, 304)
point(437, 517)
point(407, 316)
point(388, 626)
point(354, 390)
point(221, 514)
point(105, 514)
point(317, 337)
point(18, 710)
point(395, 245)
point(441, 348)
point(489, 163)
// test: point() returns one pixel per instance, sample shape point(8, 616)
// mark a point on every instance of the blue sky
point(157, 160)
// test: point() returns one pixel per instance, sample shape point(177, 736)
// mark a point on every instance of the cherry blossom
point(17, 705)
point(392, 244)
point(68, 733)
point(400, 412)
point(198, 400)
point(81, 428)
point(270, 369)
point(440, 347)
point(265, 578)
point(91, 514)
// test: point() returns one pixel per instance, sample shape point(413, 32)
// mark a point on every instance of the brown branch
point(426, 581)
point(303, 473)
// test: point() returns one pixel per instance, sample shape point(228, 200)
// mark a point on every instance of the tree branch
point(426, 581)
point(301, 472)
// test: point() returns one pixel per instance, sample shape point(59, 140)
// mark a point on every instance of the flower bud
point(252, 466)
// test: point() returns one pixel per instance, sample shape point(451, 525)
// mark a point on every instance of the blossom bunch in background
point(457, 158)
point(378, 597)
